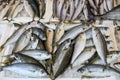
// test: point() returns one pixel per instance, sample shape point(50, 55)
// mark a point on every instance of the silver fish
point(62, 47)
point(59, 7)
point(37, 54)
point(63, 61)
point(39, 33)
point(71, 34)
point(26, 69)
point(79, 46)
point(100, 44)
point(78, 9)
point(23, 41)
point(99, 68)
point(110, 15)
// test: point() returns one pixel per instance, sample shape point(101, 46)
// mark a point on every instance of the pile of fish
point(64, 10)
point(40, 51)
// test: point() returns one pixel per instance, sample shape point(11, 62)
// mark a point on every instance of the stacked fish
point(40, 51)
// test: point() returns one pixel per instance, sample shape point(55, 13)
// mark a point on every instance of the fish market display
point(60, 38)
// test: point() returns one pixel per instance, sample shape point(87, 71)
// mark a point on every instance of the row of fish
point(42, 51)
point(64, 10)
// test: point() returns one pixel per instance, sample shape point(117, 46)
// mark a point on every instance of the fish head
point(43, 37)
point(47, 56)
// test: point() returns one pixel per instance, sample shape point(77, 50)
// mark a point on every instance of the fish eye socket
point(81, 70)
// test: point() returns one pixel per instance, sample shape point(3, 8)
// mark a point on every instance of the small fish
point(26, 69)
point(79, 46)
point(17, 10)
point(98, 68)
point(100, 44)
point(63, 61)
point(72, 7)
point(49, 41)
point(40, 33)
point(41, 8)
point(35, 6)
point(86, 54)
point(64, 11)
point(23, 41)
point(21, 58)
point(59, 32)
point(110, 14)
point(71, 34)
point(62, 47)
point(37, 54)
point(78, 10)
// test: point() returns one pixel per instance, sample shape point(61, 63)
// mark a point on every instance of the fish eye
point(81, 70)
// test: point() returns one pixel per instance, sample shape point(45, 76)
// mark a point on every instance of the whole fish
point(63, 61)
point(98, 68)
point(26, 69)
point(62, 47)
point(37, 54)
point(79, 46)
point(72, 8)
point(21, 58)
point(100, 44)
point(40, 33)
point(71, 34)
point(23, 41)
point(41, 8)
point(110, 14)
point(35, 6)
point(86, 54)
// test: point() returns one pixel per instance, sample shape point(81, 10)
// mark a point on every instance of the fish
point(72, 8)
point(59, 32)
point(79, 46)
point(99, 68)
point(21, 58)
point(100, 44)
point(49, 40)
point(26, 69)
point(63, 61)
point(71, 34)
point(37, 54)
point(35, 6)
point(64, 12)
point(28, 9)
point(23, 41)
point(110, 14)
point(62, 47)
point(40, 33)
point(40, 44)
point(86, 54)
point(17, 10)
point(59, 7)
point(78, 10)
point(41, 8)
point(13, 9)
